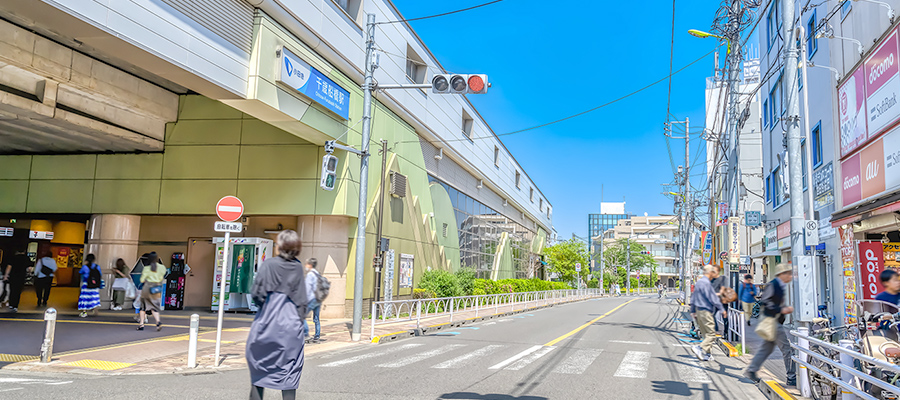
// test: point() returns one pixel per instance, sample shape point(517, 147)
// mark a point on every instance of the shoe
point(158, 326)
point(791, 382)
point(140, 327)
point(83, 314)
point(748, 322)
point(13, 310)
point(708, 357)
point(698, 352)
point(751, 376)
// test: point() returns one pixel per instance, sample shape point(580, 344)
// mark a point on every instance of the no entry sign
point(229, 208)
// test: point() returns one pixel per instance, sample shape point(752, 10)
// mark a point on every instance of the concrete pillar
point(325, 238)
point(110, 237)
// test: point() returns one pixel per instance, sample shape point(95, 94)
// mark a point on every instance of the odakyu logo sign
point(298, 76)
point(313, 84)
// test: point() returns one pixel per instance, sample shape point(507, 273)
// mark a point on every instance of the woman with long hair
point(275, 344)
point(152, 277)
point(91, 281)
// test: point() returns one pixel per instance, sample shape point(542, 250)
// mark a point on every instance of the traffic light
point(460, 84)
point(329, 171)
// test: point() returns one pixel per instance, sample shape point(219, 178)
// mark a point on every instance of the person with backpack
point(44, 269)
point(91, 281)
point(748, 296)
point(317, 287)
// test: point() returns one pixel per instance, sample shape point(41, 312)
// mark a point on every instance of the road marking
point(464, 359)
point(634, 365)
point(578, 362)
point(574, 331)
point(16, 357)
point(530, 358)
point(10, 389)
point(372, 354)
point(516, 357)
point(420, 356)
point(25, 381)
point(98, 364)
point(629, 342)
point(690, 371)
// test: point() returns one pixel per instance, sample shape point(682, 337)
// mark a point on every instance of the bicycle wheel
point(820, 386)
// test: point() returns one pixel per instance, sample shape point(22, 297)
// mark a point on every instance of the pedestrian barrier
point(387, 312)
point(842, 372)
point(737, 324)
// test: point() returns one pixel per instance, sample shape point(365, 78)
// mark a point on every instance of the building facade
point(658, 235)
point(125, 122)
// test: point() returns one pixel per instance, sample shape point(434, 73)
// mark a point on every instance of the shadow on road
point(679, 388)
point(487, 396)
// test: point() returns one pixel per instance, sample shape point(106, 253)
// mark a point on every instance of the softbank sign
point(883, 86)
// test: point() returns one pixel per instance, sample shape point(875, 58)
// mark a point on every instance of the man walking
point(44, 269)
point(312, 284)
point(16, 272)
point(772, 304)
point(748, 296)
point(704, 303)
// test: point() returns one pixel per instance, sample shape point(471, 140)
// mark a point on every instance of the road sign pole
point(222, 298)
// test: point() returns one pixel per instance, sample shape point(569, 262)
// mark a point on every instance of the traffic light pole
point(379, 249)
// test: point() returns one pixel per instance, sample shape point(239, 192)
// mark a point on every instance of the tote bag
point(767, 329)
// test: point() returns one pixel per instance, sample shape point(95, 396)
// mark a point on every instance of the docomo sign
point(230, 208)
point(871, 259)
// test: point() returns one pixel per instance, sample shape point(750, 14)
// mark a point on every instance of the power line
point(671, 62)
point(439, 15)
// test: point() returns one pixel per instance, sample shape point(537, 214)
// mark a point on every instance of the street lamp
point(703, 35)
point(829, 34)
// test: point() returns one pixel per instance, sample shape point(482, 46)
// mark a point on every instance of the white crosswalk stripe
point(634, 365)
point(419, 356)
point(578, 362)
point(525, 361)
point(513, 359)
point(469, 357)
point(691, 371)
point(628, 342)
point(372, 354)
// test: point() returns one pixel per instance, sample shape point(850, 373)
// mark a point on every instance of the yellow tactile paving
point(98, 364)
point(16, 358)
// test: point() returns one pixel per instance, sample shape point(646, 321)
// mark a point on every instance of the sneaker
point(751, 376)
point(83, 314)
point(698, 352)
point(13, 310)
point(707, 357)
point(791, 382)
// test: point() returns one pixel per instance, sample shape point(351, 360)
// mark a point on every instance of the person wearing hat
point(705, 303)
point(772, 304)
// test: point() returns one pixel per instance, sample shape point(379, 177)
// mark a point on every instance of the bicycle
point(821, 387)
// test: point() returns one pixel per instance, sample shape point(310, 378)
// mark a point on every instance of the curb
point(728, 348)
point(391, 337)
point(774, 391)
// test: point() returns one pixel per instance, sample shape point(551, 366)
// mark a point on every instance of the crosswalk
point(631, 364)
point(12, 384)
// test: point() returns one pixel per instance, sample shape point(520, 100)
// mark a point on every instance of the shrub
point(441, 283)
point(466, 279)
point(422, 294)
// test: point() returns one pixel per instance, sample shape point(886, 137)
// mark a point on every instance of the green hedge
point(439, 283)
point(487, 286)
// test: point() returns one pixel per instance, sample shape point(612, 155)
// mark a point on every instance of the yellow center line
point(574, 331)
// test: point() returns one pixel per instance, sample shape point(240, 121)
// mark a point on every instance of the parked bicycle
point(821, 387)
point(879, 338)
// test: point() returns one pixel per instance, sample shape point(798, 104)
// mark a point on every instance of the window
point(518, 179)
point(812, 44)
point(773, 22)
point(445, 229)
point(776, 103)
point(765, 112)
point(415, 67)
point(496, 156)
point(351, 7)
point(769, 188)
point(803, 161)
point(776, 187)
point(531, 195)
point(845, 9)
point(541, 205)
point(467, 123)
point(817, 144)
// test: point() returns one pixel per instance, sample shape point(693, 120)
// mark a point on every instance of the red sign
point(871, 263)
point(871, 165)
point(851, 187)
point(230, 208)
point(784, 230)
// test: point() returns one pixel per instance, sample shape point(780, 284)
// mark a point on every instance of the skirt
point(149, 301)
point(89, 298)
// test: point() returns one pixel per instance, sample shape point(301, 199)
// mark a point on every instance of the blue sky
point(547, 62)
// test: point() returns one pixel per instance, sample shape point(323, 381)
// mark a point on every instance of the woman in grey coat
point(275, 344)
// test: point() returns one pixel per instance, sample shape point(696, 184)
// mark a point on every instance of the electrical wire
point(439, 15)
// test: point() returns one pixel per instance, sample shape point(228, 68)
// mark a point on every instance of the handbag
point(156, 289)
point(767, 329)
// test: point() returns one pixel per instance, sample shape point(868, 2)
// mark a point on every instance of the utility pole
point(379, 248)
point(686, 222)
point(359, 270)
point(602, 233)
point(792, 122)
point(628, 265)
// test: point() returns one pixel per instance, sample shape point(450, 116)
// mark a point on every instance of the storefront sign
point(892, 255)
point(6, 231)
point(823, 186)
point(852, 105)
point(406, 270)
point(851, 188)
point(723, 214)
point(752, 218)
point(849, 273)
point(891, 147)
point(40, 235)
point(305, 79)
point(871, 164)
point(784, 230)
point(706, 239)
point(826, 231)
point(771, 239)
point(871, 263)
point(882, 77)
point(734, 240)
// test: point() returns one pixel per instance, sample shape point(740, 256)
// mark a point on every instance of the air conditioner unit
point(398, 185)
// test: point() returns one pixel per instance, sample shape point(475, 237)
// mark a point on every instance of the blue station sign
point(302, 77)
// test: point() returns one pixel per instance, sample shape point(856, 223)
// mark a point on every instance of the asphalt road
point(631, 351)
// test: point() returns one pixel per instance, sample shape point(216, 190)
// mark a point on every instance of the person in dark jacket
point(705, 303)
point(275, 344)
point(748, 296)
point(16, 272)
point(772, 304)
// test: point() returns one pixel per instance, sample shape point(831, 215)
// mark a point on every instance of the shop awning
point(867, 208)
point(766, 254)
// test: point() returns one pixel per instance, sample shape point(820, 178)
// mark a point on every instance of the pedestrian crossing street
point(632, 364)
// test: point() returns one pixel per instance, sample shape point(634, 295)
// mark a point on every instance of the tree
point(562, 257)
point(615, 259)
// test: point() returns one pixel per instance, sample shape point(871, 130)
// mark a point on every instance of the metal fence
point(817, 356)
point(737, 324)
point(385, 312)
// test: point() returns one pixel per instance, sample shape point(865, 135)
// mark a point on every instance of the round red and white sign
point(230, 208)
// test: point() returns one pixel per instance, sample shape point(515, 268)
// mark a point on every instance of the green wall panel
point(226, 131)
point(60, 196)
point(255, 131)
point(193, 196)
point(129, 166)
point(64, 167)
point(126, 197)
point(199, 107)
point(13, 196)
point(201, 162)
point(15, 167)
point(292, 197)
point(280, 162)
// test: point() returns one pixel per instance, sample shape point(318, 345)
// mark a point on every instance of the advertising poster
point(242, 259)
point(871, 263)
point(706, 239)
point(882, 74)
point(852, 106)
point(847, 257)
point(891, 255)
point(406, 270)
point(723, 214)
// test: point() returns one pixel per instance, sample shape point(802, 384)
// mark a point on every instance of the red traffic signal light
point(460, 83)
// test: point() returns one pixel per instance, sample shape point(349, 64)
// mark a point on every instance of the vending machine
point(245, 255)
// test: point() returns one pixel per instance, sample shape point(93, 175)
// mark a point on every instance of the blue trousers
point(315, 307)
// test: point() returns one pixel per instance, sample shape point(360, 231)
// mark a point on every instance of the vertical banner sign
point(871, 260)
point(734, 240)
point(723, 214)
point(389, 281)
point(706, 239)
point(849, 275)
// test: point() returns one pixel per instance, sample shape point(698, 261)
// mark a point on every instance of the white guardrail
point(818, 357)
point(385, 312)
point(737, 323)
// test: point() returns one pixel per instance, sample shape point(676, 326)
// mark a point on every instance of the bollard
point(49, 334)
point(192, 341)
point(803, 374)
point(847, 360)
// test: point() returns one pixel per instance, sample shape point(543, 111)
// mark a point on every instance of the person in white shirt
point(44, 269)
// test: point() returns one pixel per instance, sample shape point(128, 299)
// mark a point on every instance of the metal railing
point(385, 312)
point(737, 323)
point(842, 372)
